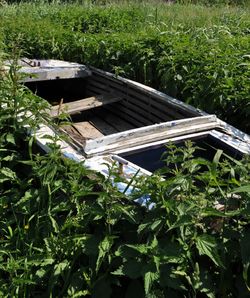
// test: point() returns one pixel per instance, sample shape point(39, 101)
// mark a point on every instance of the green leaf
point(7, 174)
point(27, 196)
point(184, 220)
point(104, 248)
point(131, 269)
point(149, 278)
point(207, 284)
point(212, 212)
point(54, 224)
point(10, 138)
point(59, 268)
point(245, 188)
point(170, 279)
point(217, 157)
point(141, 248)
point(208, 246)
point(131, 216)
point(119, 271)
point(41, 273)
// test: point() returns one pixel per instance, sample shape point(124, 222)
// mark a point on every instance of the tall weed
point(68, 232)
point(198, 55)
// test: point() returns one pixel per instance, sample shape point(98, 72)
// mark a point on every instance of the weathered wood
point(133, 117)
point(141, 97)
point(117, 122)
point(87, 130)
point(73, 133)
point(104, 127)
point(147, 111)
point(151, 133)
point(126, 117)
point(75, 107)
point(154, 144)
point(100, 90)
point(44, 70)
point(153, 92)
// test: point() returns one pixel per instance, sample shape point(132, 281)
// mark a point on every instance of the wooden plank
point(125, 117)
point(173, 102)
point(151, 133)
point(87, 130)
point(118, 122)
point(102, 87)
point(103, 126)
point(143, 97)
point(130, 116)
point(73, 133)
point(147, 111)
point(88, 103)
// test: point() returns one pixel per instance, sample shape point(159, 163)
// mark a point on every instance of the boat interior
point(99, 105)
point(152, 157)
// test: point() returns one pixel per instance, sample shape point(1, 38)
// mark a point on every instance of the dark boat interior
point(99, 105)
point(152, 158)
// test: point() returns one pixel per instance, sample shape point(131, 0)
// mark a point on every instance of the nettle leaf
point(141, 248)
point(132, 269)
point(149, 278)
point(104, 248)
point(207, 212)
point(59, 268)
point(126, 252)
point(170, 279)
point(156, 224)
point(127, 212)
point(7, 174)
point(54, 224)
point(184, 220)
point(207, 284)
point(27, 196)
point(119, 271)
point(208, 246)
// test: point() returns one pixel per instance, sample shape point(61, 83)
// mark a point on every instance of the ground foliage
point(195, 53)
point(66, 231)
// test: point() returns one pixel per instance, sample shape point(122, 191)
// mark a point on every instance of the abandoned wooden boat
point(114, 118)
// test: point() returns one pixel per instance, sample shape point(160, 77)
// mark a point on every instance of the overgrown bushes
point(199, 56)
point(66, 231)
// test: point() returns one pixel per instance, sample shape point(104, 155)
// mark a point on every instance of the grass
point(199, 55)
point(66, 231)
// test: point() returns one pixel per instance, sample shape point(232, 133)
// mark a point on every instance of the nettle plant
point(66, 231)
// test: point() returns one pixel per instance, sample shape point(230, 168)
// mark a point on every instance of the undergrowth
point(194, 53)
point(66, 231)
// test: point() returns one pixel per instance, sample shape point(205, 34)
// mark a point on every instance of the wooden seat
point(88, 103)
point(82, 131)
point(87, 130)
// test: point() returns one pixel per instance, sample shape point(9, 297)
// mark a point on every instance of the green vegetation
point(66, 231)
point(195, 53)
